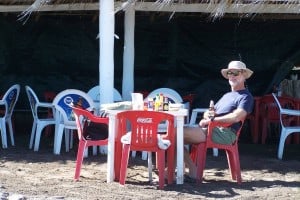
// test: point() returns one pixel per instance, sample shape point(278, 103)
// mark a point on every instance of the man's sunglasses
point(236, 73)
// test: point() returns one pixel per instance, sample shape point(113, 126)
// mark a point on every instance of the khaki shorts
point(223, 135)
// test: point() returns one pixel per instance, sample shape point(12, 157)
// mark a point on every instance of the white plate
point(124, 105)
point(175, 105)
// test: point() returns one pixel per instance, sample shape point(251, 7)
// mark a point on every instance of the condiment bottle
point(161, 102)
point(150, 104)
point(166, 104)
point(156, 103)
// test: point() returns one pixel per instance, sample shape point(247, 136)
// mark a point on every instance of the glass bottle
point(156, 103)
point(211, 109)
point(150, 104)
point(161, 102)
point(166, 104)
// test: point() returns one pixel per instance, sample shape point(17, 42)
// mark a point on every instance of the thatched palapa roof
point(215, 7)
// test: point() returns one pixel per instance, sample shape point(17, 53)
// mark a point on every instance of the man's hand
point(236, 116)
point(204, 122)
point(207, 114)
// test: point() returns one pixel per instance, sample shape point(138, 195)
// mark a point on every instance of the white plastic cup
point(137, 101)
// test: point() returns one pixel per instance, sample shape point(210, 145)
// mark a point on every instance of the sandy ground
point(42, 175)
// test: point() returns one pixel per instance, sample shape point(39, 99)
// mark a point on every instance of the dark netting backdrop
point(184, 52)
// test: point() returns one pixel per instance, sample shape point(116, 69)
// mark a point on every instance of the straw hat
point(237, 65)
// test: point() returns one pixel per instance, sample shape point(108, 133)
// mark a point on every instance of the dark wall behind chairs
point(186, 53)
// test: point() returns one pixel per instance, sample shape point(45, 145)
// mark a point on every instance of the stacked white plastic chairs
point(285, 130)
point(39, 123)
point(64, 116)
point(94, 93)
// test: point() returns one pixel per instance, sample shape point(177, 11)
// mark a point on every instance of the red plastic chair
point(270, 114)
point(254, 118)
point(49, 96)
point(144, 133)
point(83, 145)
point(198, 153)
point(189, 98)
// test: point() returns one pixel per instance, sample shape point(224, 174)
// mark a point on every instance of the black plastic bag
point(95, 131)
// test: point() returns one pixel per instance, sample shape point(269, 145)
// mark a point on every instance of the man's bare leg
point(190, 164)
point(192, 135)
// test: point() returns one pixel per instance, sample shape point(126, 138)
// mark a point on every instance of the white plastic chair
point(173, 96)
point(64, 116)
point(39, 123)
point(285, 130)
point(168, 92)
point(8, 102)
point(94, 93)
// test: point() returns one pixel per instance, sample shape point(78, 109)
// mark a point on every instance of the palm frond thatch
point(24, 16)
point(216, 8)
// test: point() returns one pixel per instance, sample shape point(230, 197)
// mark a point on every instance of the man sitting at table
point(231, 108)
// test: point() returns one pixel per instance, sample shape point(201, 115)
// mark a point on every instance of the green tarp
point(185, 52)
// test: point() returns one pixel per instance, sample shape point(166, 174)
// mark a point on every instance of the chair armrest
point(45, 105)
point(213, 124)
point(195, 113)
point(290, 112)
point(2, 102)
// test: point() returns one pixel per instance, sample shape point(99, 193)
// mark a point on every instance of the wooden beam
point(151, 7)
point(53, 8)
point(210, 8)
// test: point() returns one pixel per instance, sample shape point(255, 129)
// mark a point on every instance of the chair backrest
point(284, 103)
point(94, 92)
point(172, 95)
point(10, 99)
point(33, 100)
point(189, 98)
point(65, 99)
point(144, 127)
point(269, 108)
point(82, 116)
point(277, 102)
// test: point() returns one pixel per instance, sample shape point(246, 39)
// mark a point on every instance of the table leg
point(111, 148)
point(180, 168)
